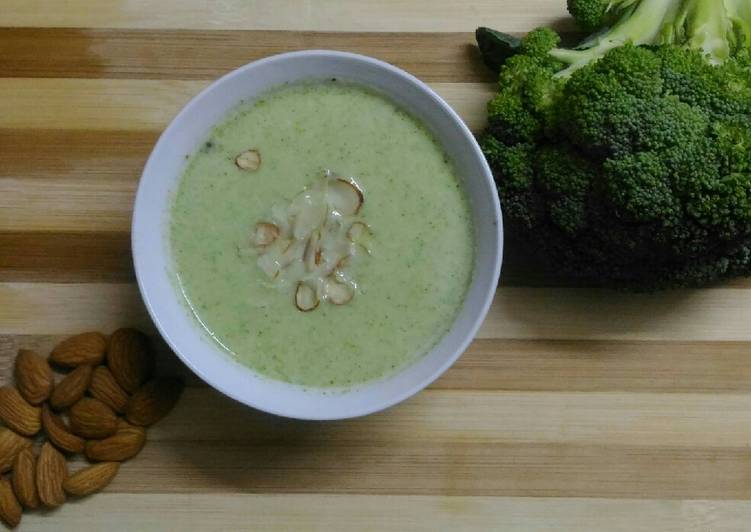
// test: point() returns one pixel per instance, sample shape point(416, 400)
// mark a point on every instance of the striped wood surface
point(575, 409)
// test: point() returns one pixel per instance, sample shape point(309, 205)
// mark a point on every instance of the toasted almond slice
point(338, 293)
point(306, 298)
point(312, 254)
point(345, 197)
point(265, 234)
point(310, 215)
point(269, 265)
point(249, 160)
point(359, 232)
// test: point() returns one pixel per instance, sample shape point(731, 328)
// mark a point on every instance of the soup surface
point(407, 281)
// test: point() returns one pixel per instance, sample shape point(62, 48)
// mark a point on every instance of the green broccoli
point(627, 161)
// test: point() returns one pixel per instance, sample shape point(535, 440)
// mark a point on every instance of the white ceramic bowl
point(153, 263)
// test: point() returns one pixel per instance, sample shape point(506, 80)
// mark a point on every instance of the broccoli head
point(628, 161)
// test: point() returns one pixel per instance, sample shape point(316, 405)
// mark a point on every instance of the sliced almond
point(249, 160)
point(310, 213)
point(312, 254)
point(359, 232)
point(338, 293)
point(306, 298)
point(344, 196)
point(265, 234)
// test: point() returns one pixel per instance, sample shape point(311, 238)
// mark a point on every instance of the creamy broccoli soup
point(321, 236)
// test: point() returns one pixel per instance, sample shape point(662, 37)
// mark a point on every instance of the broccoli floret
point(628, 161)
point(591, 15)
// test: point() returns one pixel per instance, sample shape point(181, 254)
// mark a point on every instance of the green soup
point(407, 289)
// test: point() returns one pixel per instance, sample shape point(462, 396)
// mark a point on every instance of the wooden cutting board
point(575, 409)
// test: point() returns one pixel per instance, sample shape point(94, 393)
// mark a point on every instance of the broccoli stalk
point(707, 25)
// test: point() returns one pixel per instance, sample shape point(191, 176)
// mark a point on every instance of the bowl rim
point(479, 314)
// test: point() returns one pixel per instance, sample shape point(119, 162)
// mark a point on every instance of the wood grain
point(517, 313)
point(575, 410)
point(319, 15)
point(148, 105)
point(373, 513)
point(194, 54)
point(537, 365)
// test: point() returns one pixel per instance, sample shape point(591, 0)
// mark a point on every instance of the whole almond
point(10, 509)
point(129, 358)
point(91, 418)
point(10, 445)
point(59, 434)
point(33, 376)
point(87, 348)
point(50, 475)
point(123, 445)
point(153, 401)
point(17, 413)
point(105, 388)
point(91, 479)
point(24, 479)
point(73, 386)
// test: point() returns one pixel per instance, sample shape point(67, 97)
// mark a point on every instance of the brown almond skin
point(129, 358)
point(17, 413)
point(91, 479)
point(86, 348)
point(10, 445)
point(123, 445)
point(92, 419)
point(71, 389)
point(33, 376)
point(105, 388)
point(153, 401)
point(59, 434)
point(24, 479)
point(50, 475)
point(10, 509)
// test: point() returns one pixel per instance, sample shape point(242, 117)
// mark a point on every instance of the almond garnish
point(345, 197)
point(312, 254)
point(306, 298)
point(338, 293)
point(265, 234)
point(249, 160)
point(312, 239)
